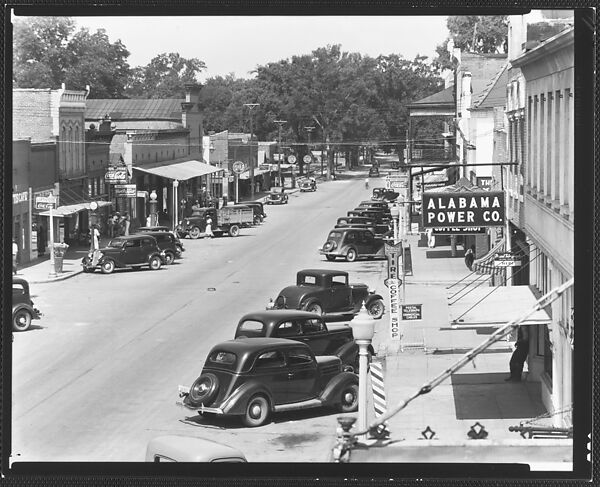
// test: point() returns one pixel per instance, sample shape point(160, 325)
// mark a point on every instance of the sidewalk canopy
point(180, 170)
point(67, 210)
point(257, 172)
point(494, 307)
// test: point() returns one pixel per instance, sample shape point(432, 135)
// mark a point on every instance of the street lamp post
point(280, 123)
point(153, 202)
point(363, 329)
point(175, 205)
point(250, 107)
point(309, 130)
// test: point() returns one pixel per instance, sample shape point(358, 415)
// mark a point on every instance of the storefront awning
point(494, 307)
point(67, 210)
point(181, 171)
point(485, 264)
point(257, 172)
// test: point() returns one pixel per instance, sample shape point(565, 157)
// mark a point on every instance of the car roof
point(322, 272)
point(190, 449)
point(159, 228)
point(276, 315)
point(251, 345)
point(134, 237)
point(19, 280)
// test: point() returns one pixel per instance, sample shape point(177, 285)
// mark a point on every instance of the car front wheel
point(169, 258)
point(21, 320)
point(348, 399)
point(155, 263)
point(195, 233)
point(257, 412)
point(376, 309)
point(351, 255)
point(107, 267)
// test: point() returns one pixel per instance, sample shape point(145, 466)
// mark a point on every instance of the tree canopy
point(484, 34)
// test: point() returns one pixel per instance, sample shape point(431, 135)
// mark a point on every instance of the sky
point(238, 44)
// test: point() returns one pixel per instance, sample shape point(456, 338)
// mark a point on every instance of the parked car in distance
point(23, 309)
point(277, 197)
point(378, 216)
point(258, 209)
point(384, 194)
point(255, 377)
point(169, 242)
point(130, 252)
point(380, 231)
point(177, 448)
point(352, 243)
point(384, 205)
point(373, 172)
point(302, 326)
point(308, 184)
point(329, 293)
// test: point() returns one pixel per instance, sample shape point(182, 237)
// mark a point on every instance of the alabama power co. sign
point(482, 209)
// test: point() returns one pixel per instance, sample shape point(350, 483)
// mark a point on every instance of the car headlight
point(162, 253)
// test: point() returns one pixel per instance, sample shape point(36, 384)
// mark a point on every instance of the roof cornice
point(559, 41)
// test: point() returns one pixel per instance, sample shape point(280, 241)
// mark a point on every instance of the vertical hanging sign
point(393, 283)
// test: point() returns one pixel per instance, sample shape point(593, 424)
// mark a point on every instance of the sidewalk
point(477, 392)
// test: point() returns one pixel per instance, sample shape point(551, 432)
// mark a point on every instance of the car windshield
point(116, 243)
point(250, 329)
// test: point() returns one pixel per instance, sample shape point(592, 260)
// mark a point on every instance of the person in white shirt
point(15, 253)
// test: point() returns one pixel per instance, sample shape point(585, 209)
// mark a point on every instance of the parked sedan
point(23, 309)
point(130, 252)
point(252, 378)
point(352, 243)
point(277, 197)
point(168, 242)
point(302, 326)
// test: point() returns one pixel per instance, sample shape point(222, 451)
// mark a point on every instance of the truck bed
point(231, 216)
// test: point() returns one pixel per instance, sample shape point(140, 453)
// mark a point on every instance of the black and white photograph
point(285, 239)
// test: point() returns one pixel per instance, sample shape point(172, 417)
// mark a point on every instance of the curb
point(58, 278)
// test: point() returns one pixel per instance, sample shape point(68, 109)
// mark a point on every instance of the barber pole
point(378, 387)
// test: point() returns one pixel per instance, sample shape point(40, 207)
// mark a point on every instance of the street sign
point(393, 288)
point(126, 190)
point(238, 167)
point(292, 159)
point(481, 209)
point(412, 312)
point(307, 159)
point(45, 202)
point(458, 231)
point(506, 259)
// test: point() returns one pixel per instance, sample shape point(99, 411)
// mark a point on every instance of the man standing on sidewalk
point(517, 361)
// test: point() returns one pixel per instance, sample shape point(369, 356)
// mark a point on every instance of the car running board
point(311, 403)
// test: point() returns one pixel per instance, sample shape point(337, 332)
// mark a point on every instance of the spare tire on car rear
point(203, 390)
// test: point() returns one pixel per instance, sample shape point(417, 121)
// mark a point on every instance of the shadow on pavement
point(488, 396)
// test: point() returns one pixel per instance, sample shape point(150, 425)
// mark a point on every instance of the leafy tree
point(94, 60)
point(48, 52)
point(40, 51)
point(164, 76)
point(474, 33)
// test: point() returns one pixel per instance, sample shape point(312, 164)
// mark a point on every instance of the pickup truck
point(306, 327)
point(226, 220)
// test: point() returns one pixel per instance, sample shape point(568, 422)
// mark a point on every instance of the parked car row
point(287, 358)
point(152, 247)
point(362, 232)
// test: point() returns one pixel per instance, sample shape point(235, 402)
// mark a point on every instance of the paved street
point(98, 377)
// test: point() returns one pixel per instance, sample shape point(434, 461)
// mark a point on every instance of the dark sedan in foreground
point(255, 377)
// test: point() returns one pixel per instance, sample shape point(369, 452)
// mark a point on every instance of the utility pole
point(250, 107)
point(309, 130)
point(280, 123)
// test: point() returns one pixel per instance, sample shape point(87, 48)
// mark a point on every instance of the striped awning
point(67, 210)
point(485, 264)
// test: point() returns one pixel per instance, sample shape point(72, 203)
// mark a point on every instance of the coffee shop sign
point(485, 209)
